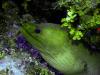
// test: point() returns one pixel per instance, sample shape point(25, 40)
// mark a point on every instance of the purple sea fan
point(22, 43)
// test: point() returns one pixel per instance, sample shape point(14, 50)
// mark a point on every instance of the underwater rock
point(12, 65)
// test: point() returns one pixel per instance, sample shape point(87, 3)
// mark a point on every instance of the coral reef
point(80, 18)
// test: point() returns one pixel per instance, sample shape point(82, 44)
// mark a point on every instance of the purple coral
point(22, 43)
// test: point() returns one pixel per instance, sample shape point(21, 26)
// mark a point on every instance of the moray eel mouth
point(54, 46)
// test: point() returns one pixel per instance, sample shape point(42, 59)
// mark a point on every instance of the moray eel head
point(54, 45)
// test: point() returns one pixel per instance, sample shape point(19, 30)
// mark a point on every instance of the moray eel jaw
point(54, 46)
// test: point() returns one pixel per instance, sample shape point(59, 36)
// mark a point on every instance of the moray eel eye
point(37, 31)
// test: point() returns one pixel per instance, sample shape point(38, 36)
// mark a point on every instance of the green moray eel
point(57, 49)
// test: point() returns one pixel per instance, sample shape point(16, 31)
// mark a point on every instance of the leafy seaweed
point(86, 11)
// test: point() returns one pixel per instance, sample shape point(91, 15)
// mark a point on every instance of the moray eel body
point(57, 49)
